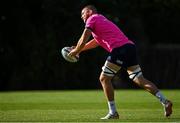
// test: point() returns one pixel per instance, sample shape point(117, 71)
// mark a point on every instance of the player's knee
point(139, 80)
point(104, 79)
point(143, 82)
point(101, 79)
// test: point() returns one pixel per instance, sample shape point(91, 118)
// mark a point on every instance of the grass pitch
point(84, 106)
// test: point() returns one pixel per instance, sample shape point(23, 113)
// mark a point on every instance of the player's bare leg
point(136, 74)
point(106, 76)
point(107, 86)
point(142, 82)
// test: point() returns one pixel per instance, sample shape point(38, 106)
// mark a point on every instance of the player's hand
point(73, 52)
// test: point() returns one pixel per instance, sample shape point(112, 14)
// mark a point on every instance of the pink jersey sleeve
point(90, 22)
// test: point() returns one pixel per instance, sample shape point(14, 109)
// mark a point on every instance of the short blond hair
point(91, 7)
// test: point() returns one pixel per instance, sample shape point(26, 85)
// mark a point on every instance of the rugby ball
point(65, 51)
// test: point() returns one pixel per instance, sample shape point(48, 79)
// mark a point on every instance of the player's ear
point(90, 11)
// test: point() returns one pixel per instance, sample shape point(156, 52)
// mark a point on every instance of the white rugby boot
point(111, 116)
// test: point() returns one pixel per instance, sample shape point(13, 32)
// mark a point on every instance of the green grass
point(84, 106)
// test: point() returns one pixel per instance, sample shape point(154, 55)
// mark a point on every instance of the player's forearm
point(90, 45)
point(80, 45)
point(82, 41)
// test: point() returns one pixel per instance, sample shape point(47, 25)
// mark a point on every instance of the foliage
point(32, 33)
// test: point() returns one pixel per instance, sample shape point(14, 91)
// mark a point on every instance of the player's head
point(87, 11)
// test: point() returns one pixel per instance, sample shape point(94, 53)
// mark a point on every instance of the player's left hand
point(73, 52)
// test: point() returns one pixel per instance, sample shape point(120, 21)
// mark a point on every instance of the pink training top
point(106, 33)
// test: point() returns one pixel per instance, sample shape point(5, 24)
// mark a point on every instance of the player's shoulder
point(95, 17)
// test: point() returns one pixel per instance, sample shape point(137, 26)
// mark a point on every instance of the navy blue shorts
point(124, 56)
